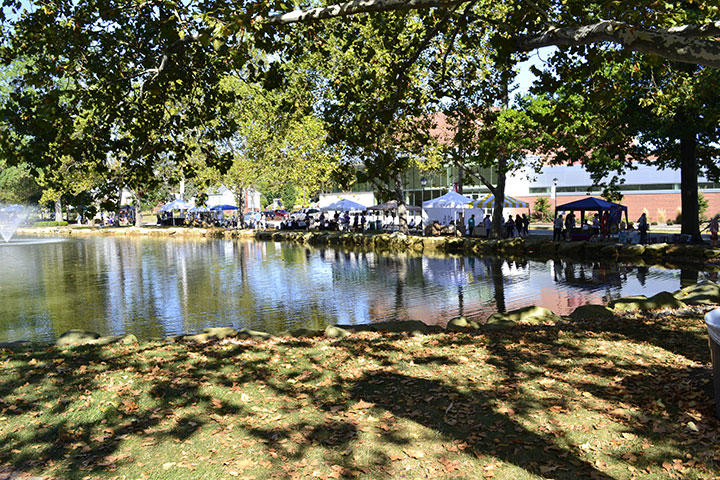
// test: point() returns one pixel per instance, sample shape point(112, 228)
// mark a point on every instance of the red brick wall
point(636, 202)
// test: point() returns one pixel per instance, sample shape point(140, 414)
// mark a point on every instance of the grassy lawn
point(627, 398)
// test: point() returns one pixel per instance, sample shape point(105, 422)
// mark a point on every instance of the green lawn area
point(625, 398)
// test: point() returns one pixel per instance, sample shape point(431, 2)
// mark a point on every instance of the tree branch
point(354, 7)
point(677, 44)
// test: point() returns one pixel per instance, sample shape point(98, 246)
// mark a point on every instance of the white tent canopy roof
point(488, 201)
point(449, 200)
point(344, 205)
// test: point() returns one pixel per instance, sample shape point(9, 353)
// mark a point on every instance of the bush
point(670, 222)
point(50, 224)
point(541, 210)
point(661, 215)
point(653, 223)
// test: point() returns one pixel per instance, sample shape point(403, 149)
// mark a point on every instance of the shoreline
point(702, 295)
point(661, 254)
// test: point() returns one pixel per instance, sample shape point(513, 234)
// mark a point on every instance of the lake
point(155, 287)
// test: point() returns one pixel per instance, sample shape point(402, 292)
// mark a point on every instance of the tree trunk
point(497, 218)
point(240, 201)
point(402, 207)
point(138, 210)
point(689, 187)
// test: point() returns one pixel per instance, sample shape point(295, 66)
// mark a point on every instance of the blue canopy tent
point(592, 204)
point(224, 207)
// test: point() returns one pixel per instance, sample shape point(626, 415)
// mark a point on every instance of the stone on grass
point(703, 293)
point(221, 332)
point(532, 314)
point(415, 327)
point(304, 332)
point(663, 300)
point(331, 331)
point(459, 324)
point(120, 339)
point(656, 302)
point(627, 303)
point(592, 312)
point(253, 334)
point(76, 337)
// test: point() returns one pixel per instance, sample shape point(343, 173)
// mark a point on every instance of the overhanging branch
point(354, 7)
point(677, 44)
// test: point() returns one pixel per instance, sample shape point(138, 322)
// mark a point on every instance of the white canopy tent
point(344, 205)
point(488, 201)
point(445, 209)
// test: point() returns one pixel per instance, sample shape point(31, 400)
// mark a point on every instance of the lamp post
point(423, 182)
point(555, 182)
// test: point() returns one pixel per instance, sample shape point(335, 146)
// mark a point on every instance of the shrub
point(670, 222)
point(653, 223)
point(50, 224)
point(661, 215)
point(541, 209)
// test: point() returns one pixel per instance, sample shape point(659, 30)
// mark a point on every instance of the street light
point(423, 182)
point(555, 182)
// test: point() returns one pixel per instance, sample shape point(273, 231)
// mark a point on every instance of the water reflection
point(159, 287)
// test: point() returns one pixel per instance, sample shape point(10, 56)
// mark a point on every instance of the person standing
point(569, 225)
point(557, 228)
point(642, 226)
point(487, 223)
point(471, 225)
point(714, 226)
point(510, 227)
point(526, 225)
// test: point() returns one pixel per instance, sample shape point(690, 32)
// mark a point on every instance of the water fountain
point(11, 217)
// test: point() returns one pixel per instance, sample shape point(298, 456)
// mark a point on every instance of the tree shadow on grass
point(178, 403)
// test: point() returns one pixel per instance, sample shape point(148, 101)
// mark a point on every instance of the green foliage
point(541, 209)
point(702, 205)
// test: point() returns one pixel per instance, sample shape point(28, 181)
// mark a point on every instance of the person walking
point(557, 228)
point(642, 226)
point(714, 226)
point(471, 225)
point(518, 225)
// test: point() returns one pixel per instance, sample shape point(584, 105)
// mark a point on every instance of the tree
point(275, 149)
point(621, 109)
point(541, 209)
point(658, 28)
point(118, 90)
point(376, 98)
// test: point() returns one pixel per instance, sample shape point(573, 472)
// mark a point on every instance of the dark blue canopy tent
point(592, 204)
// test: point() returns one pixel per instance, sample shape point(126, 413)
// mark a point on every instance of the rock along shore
point(658, 254)
point(702, 295)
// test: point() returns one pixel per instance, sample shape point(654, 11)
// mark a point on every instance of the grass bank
point(627, 397)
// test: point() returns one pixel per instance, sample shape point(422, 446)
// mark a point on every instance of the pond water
point(159, 287)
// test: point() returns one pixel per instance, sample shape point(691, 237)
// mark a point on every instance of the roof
point(590, 203)
point(449, 200)
point(393, 205)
